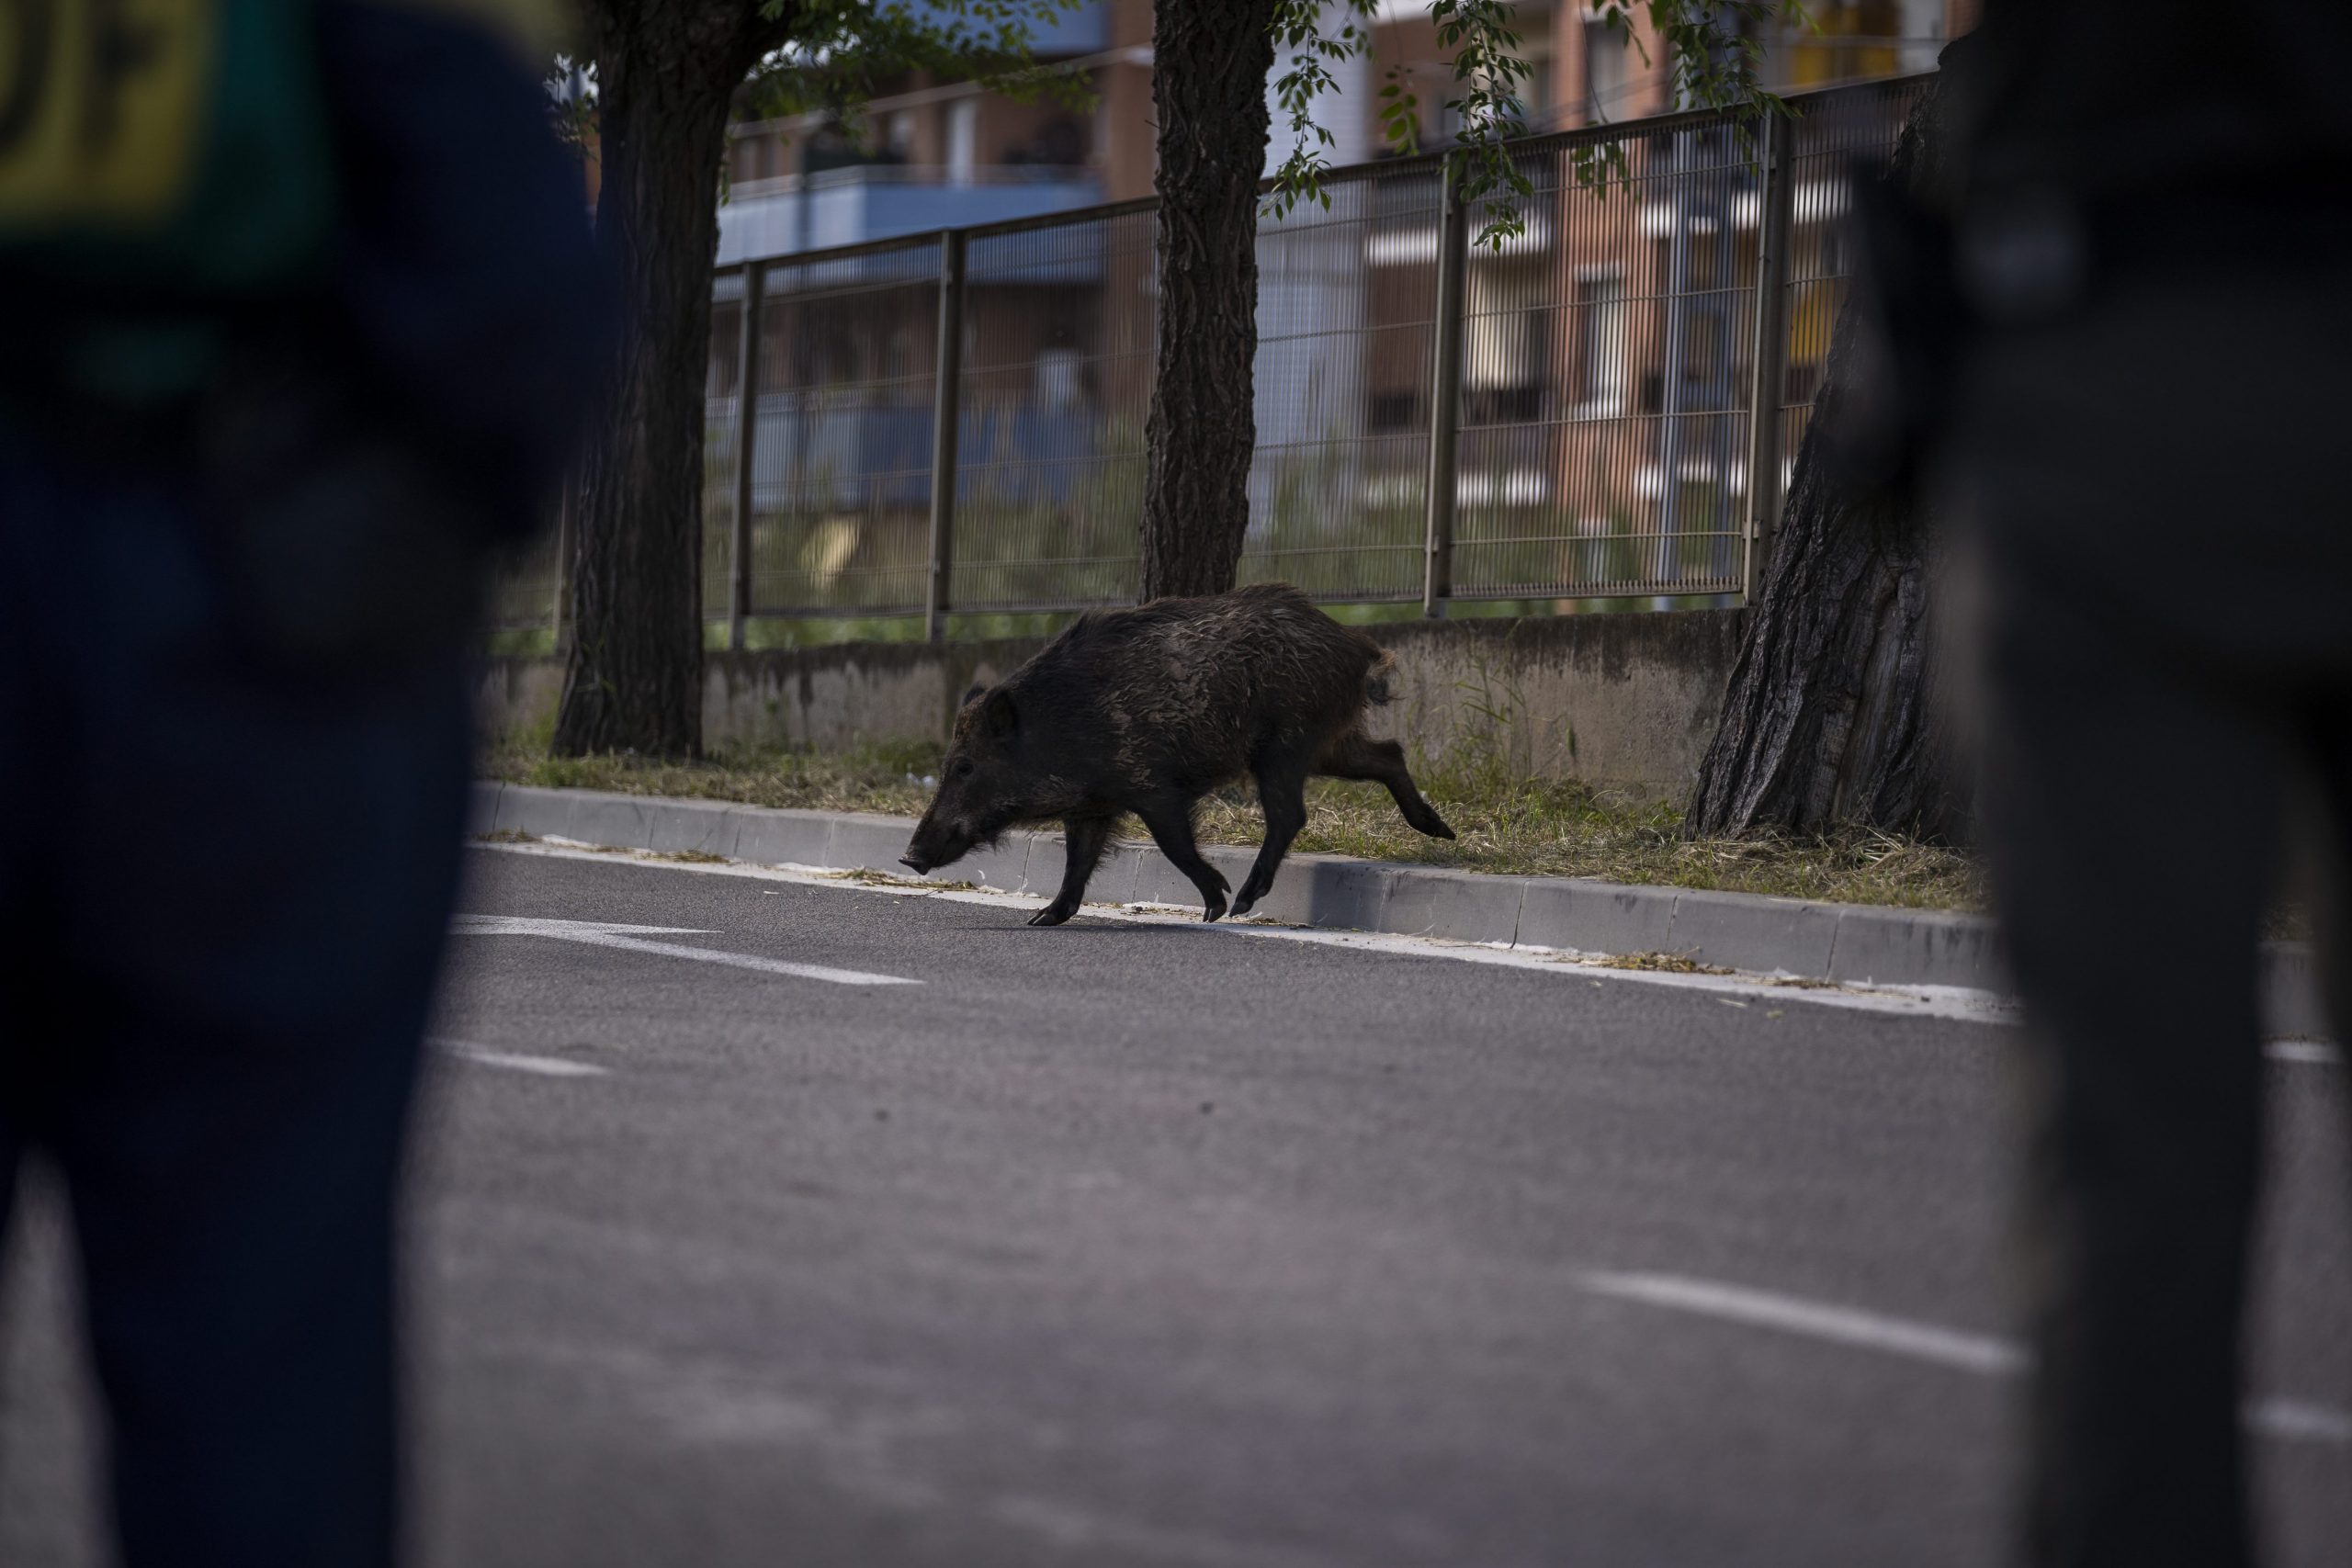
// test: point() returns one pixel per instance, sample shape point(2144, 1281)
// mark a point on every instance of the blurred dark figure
point(298, 307)
point(2120, 317)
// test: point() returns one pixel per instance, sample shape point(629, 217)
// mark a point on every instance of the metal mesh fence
point(523, 596)
point(1055, 384)
point(1607, 375)
point(840, 451)
point(1839, 136)
point(722, 427)
point(1604, 379)
point(1347, 302)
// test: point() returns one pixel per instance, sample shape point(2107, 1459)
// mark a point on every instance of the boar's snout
point(932, 846)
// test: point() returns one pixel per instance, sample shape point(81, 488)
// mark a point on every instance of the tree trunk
point(1832, 715)
point(667, 71)
point(1210, 61)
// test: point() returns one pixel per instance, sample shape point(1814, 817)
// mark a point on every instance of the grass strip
point(1506, 823)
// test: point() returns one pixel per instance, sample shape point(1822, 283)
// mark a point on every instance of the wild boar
point(1147, 710)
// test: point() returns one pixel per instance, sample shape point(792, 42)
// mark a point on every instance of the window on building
point(1060, 383)
point(1395, 409)
point(1605, 74)
point(1060, 140)
point(1923, 24)
point(963, 141)
point(1849, 40)
point(1535, 94)
point(1706, 358)
point(1602, 323)
point(1502, 348)
point(902, 135)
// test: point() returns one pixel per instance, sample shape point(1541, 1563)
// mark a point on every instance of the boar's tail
point(1376, 680)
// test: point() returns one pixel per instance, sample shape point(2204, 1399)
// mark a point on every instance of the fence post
point(559, 620)
point(1445, 398)
point(1770, 359)
point(747, 425)
point(942, 433)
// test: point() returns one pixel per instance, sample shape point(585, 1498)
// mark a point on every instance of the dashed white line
point(632, 938)
point(1816, 1320)
point(1984, 1355)
point(527, 925)
point(1924, 1002)
point(514, 1061)
point(1909, 1002)
point(2292, 1420)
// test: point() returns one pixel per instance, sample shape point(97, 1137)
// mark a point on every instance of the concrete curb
point(1855, 943)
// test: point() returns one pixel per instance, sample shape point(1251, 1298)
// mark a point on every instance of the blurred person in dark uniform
point(2123, 320)
point(298, 310)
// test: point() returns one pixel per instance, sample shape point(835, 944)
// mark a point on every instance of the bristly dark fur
point(1145, 710)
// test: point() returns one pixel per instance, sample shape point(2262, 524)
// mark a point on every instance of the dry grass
point(1506, 824)
point(1659, 964)
point(1562, 828)
point(865, 878)
point(886, 779)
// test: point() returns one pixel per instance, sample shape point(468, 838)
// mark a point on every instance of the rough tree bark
point(667, 71)
point(1208, 86)
point(1832, 715)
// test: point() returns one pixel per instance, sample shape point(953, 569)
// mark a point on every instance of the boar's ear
point(977, 691)
point(997, 714)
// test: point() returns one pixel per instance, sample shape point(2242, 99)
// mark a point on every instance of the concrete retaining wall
point(1624, 701)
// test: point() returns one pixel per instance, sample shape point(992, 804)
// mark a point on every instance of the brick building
point(1606, 356)
point(935, 153)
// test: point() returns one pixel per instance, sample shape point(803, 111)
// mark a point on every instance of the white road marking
point(2293, 1420)
point(1843, 1325)
point(599, 933)
point(546, 1066)
point(1988, 1356)
point(524, 925)
point(1953, 1003)
point(1914, 1002)
point(1921, 1001)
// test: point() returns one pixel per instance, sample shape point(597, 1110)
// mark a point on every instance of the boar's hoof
point(1053, 914)
point(1215, 908)
point(1431, 823)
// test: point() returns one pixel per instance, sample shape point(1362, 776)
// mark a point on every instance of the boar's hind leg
point(1281, 792)
point(1356, 756)
point(1083, 839)
point(1169, 823)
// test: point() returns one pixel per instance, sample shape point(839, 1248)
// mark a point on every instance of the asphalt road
point(1155, 1245)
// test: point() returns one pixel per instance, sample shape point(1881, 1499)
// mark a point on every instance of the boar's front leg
point(1083, 839)
point(1170, 822)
